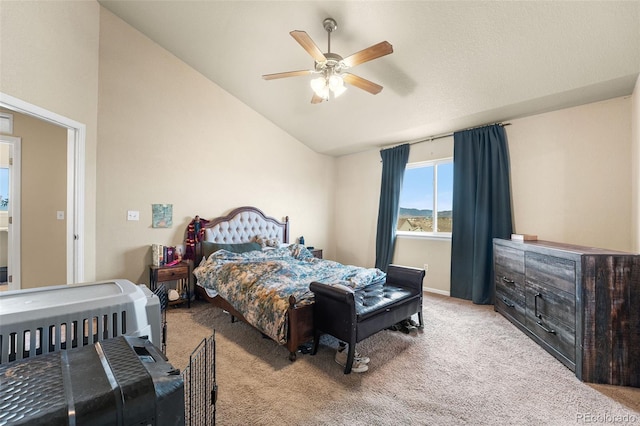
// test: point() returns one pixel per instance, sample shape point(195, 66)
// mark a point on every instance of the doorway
point(75, 149)
point(10, 212)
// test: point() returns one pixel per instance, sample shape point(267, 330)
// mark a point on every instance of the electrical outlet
point(133, 215)
point(426, 267)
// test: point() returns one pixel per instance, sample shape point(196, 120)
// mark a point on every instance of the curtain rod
point(446, 135)
point(433, 138)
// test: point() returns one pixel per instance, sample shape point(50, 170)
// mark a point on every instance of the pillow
point(209, 247)
point(267, 242)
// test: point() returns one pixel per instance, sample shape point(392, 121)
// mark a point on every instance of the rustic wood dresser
point(581, 304)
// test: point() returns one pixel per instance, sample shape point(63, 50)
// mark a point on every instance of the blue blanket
point(258, 283)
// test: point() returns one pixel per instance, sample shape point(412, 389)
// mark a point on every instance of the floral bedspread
point(258, 283)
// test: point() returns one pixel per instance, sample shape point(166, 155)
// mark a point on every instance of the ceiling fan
point(331, 68)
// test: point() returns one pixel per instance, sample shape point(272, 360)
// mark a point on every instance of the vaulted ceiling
point(455, 64)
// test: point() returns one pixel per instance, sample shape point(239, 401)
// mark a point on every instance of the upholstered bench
point(352, 316)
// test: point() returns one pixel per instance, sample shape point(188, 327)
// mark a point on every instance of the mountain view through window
point(427, 188)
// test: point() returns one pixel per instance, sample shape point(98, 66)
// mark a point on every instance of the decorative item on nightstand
point(165, 255)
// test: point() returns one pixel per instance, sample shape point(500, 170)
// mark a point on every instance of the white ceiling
point(455, 64)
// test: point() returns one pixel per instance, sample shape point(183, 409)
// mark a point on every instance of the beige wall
point(168, 135)
point(571, 181)
point(49, 58)
point(635, 158)
point(571, 174)
point(44, 192)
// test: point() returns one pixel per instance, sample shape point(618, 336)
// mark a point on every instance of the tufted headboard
point(243, 224)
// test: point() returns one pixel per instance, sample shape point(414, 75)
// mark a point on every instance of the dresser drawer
point(173, 273)
point(551, 271)
point(510, 306)
point(551, 315)
point(508, 258)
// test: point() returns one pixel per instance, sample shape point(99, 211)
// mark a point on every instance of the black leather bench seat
point(353, 316)
point(368, 304)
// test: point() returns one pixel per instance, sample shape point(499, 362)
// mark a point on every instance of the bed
point(245, 264)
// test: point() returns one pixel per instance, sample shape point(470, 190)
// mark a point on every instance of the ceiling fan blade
point(316, 99)
point(286, 74)
point(307, 43)
point(361, 83)
point(372, 52)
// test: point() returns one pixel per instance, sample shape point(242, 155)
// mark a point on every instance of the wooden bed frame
point(300, 318)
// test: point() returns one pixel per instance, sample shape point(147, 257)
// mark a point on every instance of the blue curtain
point(394, 161)
point(481, 209)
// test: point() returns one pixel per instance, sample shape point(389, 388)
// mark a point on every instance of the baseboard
point(436, 291)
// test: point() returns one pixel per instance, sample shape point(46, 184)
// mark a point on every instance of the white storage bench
point(48, 319)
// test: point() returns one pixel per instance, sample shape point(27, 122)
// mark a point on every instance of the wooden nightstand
point(317, 253)
point(181, 273)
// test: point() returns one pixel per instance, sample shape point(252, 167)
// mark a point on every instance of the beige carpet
point(469, 366)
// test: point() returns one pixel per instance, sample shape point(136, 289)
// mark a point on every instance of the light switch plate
point(133, 215)
point(60, 215)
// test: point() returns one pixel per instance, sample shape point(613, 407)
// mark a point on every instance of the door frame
point(76, 139)
point(13, 234)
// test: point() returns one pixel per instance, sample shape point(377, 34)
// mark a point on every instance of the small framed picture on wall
point(162, 215)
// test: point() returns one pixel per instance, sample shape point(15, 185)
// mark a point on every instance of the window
point(426, 199)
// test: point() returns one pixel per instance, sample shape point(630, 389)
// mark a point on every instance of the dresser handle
point(507, 280)
point(548, 330)
point(509, 304)
point(535, 306)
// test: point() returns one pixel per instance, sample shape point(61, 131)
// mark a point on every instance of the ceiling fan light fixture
point(319, 85)
point(327, 84)
point(339, 91)
point(335, 82)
